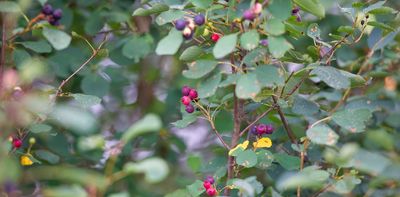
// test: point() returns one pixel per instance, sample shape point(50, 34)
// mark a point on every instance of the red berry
point(193, 94)
point(17, 143)
point(215, 37)
point(206, 184)
point(261, 129)
point(211, 191)
point(186, 100)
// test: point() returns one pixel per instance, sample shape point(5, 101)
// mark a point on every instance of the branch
point(257, 119)
point(95, 52)
point(285, 122)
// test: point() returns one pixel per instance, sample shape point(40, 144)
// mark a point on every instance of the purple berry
point(264, 42)
point(295, 10)
point(47, 9)
point(261, 129)
point(180, 24)
point(185, 90)
point(193, 94)
point(248, 15)
point(253, 130)
point(199, 19)
point(270, 129)
point(210, 179)
point(57, 14)
point(53, 21)
point(189, 108)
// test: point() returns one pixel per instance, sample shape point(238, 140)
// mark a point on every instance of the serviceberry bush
point(199, 98)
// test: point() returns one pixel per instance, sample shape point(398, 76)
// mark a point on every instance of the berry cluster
point(188, 95)
point(187, 26)
point(296, 12)
point(208, 185)
point(253, 12)
point(52, 16)
point(261, 129)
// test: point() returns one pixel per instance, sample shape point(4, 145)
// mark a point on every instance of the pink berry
point(193, 94)
point(257, 8)
point(249, 15)
point(186, 100)
point(261, 129)
point(17, 143)
point(206, 185)
point(211, 191)
point(185, 90)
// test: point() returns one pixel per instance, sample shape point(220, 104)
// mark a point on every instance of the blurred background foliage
point(109, 133)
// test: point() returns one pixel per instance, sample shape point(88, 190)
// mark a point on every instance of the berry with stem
point(180, 24)
point(199, 19)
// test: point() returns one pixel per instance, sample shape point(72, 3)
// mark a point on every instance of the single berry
point(189, 108)
point(261, 129)
point(206, 185)
point(47, 9)
point(264, 42)
point(57, 14)
point(253, 130)
point(249, 15)
point(295, 10)
point(215, 37)
point(270, 129)
point(257, 8)
point(17, 143)
point(210, 179)
point(193, 94)
point(180, 24)
point(53, 21)
point(187, 33)
point(186, 100)
point(211, 191)
point(185, 90)
point(199, 19)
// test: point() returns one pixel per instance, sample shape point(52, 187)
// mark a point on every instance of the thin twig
point(289, 131)
point(257, 119)
point(319, 121)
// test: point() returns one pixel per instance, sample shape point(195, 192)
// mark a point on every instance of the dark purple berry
point(253, 130)
point(269, 129)
point(53, 21)
point(261, 129)
point(193, 94)
point(189, 108)
point(180, 24)
point(57, 14)
point(295, 10)
point(47, 9)
point(199, 19)
point(264, 42)
point(210, 179)
point(249, 15)
point(185, 90)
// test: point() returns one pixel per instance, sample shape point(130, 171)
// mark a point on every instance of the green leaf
point(58, 39)
point(278, 46)
point(352, 120)
point(64, 191)
point(94, 23)
point(249, 40)
point(178, 193)
point(380, 25)
point(187, 119)
point(196, 188)
point(370, 162)
point(346, 184)
point(20, 56)
point(149, 123)
point(225, 46)
point(247, 158)
point(312, 6)
point(382, 10)
point(355, 80)
point(155, 169)
point(280, 9)
point(199, 68)
point(274, 27)
point(255, 56)
point(322, 134)
point(345, 29)
point(156, 9)
point(78, 120)
point(287, 161)
point(94, 84)
point(309, 177)
point(136, 48)
point(9, 6)
point(264, 159)
point(332, 77)
point(47, 156)
point(190, 54)
point(40, 128)
point(194, 162)
point(269, 76)
point(40, 46)
point(209, 87)
point(304, 106)
point(170, 44)
point(247, 86)
point(204, 4)
point(169, 16)
point(86, 101)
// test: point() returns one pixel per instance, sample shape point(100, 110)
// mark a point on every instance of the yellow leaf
point(26, 160)
point(264, 142)
point(242, 146)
